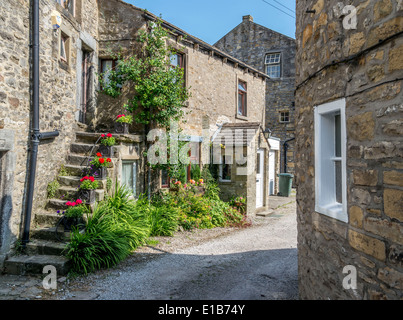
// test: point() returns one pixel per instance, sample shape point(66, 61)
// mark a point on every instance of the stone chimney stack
point(247, 18)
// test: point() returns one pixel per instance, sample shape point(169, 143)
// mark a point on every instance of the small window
point(106, 66)
point(177, 60)
point(64, 47)
point(165, 180)
point(284, 116)
point(273, 65)
point(69, 5)
point(242, 98)
point(225, 169)
point(129, 175)
point(330, 160)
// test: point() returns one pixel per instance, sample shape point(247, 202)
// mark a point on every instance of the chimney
point(247, 18)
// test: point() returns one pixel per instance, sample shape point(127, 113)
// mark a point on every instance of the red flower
point(102, 135)
point(109, 160)
point(109, 135)
point(92, 179)
point(78, 201)
point(99, 154)
point(102, 160)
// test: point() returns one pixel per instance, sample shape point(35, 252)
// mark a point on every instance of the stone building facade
point(349, 150)
point(60, 98)
point(272, 53)
point(71, 55)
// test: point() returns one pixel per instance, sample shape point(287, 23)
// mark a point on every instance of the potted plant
point(122, 123)
point(86, 191)
point(73, 216)
point(107, 143)
point(99, 165)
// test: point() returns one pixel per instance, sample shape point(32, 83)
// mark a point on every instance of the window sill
point(238, 116)
point(224, 181)
point(333, 210)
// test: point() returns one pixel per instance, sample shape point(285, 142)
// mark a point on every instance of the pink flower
point(79, 201)
point(102, 135)
point(109, 135)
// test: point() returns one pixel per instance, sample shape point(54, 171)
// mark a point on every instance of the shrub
point(52, 188)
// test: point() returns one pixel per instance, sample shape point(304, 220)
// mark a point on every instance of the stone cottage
point(349, 149)
point(76, 39)
point(274, 54)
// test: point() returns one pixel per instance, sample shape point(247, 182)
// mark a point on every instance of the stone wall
point(250, 42)
point(364, 66)
point(58, 94)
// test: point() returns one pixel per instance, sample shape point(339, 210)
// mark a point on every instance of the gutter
point(36, 135)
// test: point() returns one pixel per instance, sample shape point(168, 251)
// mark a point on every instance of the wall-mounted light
point(56, 20)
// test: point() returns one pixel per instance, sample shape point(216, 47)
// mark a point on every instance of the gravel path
point(256, 263)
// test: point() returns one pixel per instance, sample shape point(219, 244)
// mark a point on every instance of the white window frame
point(273, 62)
point(135, 174)
point(283, 116)
point(325, 175)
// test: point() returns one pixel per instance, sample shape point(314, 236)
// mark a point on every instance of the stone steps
point(70, 181)
point(34, 264)
point(46, 247)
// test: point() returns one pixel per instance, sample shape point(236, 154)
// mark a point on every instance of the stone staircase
point(47, 245)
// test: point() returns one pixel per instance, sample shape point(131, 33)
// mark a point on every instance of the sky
point(210, 20)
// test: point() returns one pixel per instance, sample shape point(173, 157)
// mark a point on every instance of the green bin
point(285, 184)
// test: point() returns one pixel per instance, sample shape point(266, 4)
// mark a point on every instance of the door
point(259, 178)
point(86, 80)
point(272, 171)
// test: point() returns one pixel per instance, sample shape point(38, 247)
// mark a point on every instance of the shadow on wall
point(6, 236)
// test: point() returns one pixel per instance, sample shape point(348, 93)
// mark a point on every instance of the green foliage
point(239, 203)
point(108, 141)
point(77, 211)
point(52, 188)
point(89, 185)
point(160, 90)
point(124, 119)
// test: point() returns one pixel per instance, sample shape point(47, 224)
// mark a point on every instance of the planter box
point(122, 128)
point(70, 223)
point(87, 196)
point(106, 151)
point(100, 173)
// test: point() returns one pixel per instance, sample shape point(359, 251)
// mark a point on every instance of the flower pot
point(87, 196)
point(106, 151)
point(100, 173)
point(122, 127)
point(70, 223)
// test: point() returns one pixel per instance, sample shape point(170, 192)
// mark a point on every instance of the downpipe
point(36, 136)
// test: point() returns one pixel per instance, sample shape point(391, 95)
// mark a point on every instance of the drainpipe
point(36, 135)
point(285, 148)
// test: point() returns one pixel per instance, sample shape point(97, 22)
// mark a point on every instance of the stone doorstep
point(264, 213)
point(24, 264)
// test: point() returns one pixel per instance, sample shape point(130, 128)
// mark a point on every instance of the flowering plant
point(124, 119)
point(99, 162)
point(239, 203)
point(75, 209)
point(107, 140)
point(87, 183)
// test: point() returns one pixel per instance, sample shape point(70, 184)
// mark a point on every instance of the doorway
point(259, 178)
point(272, 171)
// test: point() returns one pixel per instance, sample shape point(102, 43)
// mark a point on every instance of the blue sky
point(210, 20)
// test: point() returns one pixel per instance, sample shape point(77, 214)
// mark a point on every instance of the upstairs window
point(177, 60)
point(273, 65)
point(69, 5)
point(330, 160)
point(106, 66)
point(242, 98)
point(64, 47)
point(285, 116)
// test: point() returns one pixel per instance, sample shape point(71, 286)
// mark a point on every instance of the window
point(106, 66)
point(129, 175)
point(242, 98)
point(284, 116)
point(273, 65)
point(69, 5)
point(177, 60)
point(64, 47)
point(225, 169)
point(330, 160)
point(165, 180)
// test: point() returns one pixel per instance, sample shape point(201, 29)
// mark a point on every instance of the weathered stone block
point(393, 178)
point(382, 9)
point(365, 177)
point(356, 216)
point(392, 277)
point(395, 58)
point(384, 228)
point(361, 127)
point(393, 203)
point(371, 246)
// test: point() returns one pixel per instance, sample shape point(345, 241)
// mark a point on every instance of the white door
point(259, 178)
point(272, 171)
